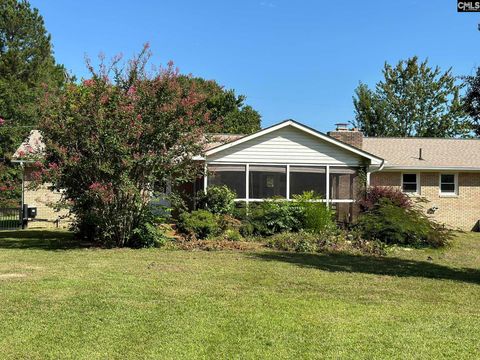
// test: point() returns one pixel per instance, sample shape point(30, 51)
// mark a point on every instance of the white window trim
point(448, 194)
point(418, 190)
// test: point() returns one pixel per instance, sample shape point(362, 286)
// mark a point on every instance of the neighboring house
point(289, 158)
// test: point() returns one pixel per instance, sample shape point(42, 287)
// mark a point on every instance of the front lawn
point(62, 299)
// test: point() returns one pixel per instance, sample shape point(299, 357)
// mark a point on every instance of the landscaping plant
point(393, 224)
point(217, 199)
point(115, 139)
point(199, 224)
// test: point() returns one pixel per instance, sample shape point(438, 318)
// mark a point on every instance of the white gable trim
point(374, 159)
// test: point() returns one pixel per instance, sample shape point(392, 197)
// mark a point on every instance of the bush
point(375, 194)
point(232, 235)
point(228, 222)
point(147, 235)
point(316, 216)
point(217, 200)
point(299, 242)
point(334, 242)
point(393, 224)
point(200, 223)
point(274, 216)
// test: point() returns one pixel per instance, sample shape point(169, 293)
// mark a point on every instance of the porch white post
point(247, 185)
point(368, 179)
point(327, 193)
point(205, 178)
point(288, 182)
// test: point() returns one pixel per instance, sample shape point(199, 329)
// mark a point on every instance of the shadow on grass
point(40, 240)
point(374, 265)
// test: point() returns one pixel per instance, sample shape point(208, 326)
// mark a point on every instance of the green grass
point(61, 299)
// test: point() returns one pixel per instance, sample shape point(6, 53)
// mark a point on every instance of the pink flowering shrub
point(374, 194)
point(112, 141)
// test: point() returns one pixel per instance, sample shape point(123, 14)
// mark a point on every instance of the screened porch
point(336, 185)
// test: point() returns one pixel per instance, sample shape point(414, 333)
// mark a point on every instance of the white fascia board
point(429, 168)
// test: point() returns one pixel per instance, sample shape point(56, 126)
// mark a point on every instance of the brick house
point(288, 158)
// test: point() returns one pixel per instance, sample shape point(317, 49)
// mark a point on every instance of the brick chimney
point(352, 136)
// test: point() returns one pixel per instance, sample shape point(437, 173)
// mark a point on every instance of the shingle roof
point(220, 139)
point(33, 144)
point(404, 152)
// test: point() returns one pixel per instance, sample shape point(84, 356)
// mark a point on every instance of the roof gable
point(306, 131)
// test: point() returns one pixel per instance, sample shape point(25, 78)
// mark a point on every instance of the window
point(267, 181)
point(343, 183)
point(304, 178)
point(232, 176)
point(410, 183)
point(448, 184)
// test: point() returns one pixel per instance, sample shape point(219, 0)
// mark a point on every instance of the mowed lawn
point(59, 299)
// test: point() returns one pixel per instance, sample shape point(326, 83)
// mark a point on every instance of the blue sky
point(292, 59)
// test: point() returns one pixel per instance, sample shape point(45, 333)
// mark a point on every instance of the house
point(289, 158)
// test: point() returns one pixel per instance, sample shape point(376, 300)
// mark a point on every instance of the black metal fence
point(10, 218)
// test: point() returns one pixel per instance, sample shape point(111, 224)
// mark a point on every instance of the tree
point(228, 113)
point(472, 101)
point(413, 99)
point(114, 139)
point(26, 66)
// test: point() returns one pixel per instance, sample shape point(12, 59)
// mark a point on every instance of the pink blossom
point(88, 82)
point(2, 121)
point(132, 90)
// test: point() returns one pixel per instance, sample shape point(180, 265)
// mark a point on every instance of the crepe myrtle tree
point(113, 139)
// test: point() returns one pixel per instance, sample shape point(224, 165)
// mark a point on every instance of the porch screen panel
point(343, 183)
point(267, 181)
point(308, 178)
point(232, 176)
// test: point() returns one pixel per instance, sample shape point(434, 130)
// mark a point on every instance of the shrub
point(298, 242)
point(228, 222)
point(316, 216)
point(232, 235)
point(375, 194)
point(274, 216)
point(147, 235)
point(393, 224)
point(247, 229)
point(217, 200)
point(200, 224)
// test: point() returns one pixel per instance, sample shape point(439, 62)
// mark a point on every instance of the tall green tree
point(472, 101)
point(228, 111)
point(27, 65)
point(413, 99)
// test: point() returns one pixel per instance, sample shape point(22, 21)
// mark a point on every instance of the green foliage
point(232, 235)
point(317, 217)
point(227, 111)
point(26, 67)
point(147, 235)
point(471, 100)
point(413, 99)
point(217, 199)
point(393, 224)
point(333, 241)
point(117, 137)
point(274, 216)
point(294, 241)
point(200, 223)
